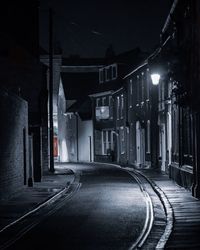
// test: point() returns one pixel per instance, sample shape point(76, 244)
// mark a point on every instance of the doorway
point(140, 145)
point(163, 146)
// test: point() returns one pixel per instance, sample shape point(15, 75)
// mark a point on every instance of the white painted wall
point(85, 132)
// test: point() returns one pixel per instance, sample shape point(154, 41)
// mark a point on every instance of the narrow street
point(107, 211)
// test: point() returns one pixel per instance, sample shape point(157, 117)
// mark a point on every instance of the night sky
point(88, 27)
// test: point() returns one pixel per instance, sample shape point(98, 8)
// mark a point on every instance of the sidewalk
point(186, 212)
point(31, 198)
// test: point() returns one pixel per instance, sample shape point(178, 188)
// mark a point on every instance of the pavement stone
point(29, 198)
point(186, 212)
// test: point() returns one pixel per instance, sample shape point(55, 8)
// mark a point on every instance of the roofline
point(166, 24)
point(151, 57)
point(118, 90)
point(101, 93)
point(80, 68)
point(136, 69)
point(46, 56)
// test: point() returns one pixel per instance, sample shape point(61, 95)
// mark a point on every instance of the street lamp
point(155, 78)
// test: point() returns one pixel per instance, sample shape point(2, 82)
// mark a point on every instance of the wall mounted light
point(155, 77)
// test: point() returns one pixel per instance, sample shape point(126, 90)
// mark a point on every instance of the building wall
point(85, 141)
point(183, 71)
point(103, 128)
point(62, 126)
point(141, 119)
point(57, 61)
point(120, 117)
point(14, 164)
point(71, 137)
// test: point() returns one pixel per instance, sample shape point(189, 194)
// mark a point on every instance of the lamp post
point(155, 79)
point(51, 134)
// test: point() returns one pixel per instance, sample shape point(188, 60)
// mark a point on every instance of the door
point(163, 147)
point(169, 137)
point(140, 144)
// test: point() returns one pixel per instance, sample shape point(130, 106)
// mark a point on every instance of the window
point(142, 87)
point(111, 107)
point(104, 101)
point(98, 142)
point(118, 107)
point(106, 142)
point(101, 76)
point(138, 91)
point(114, 71)
point(148, 137)
point(122, 140)
point(130, 93)
point(122, 107)
point(108, 73)
point(163, 95)
point(147, 85)
point(98, 104)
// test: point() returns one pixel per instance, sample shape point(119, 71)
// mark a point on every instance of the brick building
point(14, 159)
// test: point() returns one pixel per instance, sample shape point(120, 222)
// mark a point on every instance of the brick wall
point(13, 143)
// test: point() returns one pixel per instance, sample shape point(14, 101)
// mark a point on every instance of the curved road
point(106, 212)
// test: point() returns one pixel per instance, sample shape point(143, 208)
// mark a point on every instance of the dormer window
point(108, 73)
point(114, 71)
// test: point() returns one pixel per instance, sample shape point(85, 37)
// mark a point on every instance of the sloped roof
point(83, 107)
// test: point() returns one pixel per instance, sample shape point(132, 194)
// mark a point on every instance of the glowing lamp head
point(155, 79)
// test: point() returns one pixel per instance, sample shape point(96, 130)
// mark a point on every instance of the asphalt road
point(106, 211)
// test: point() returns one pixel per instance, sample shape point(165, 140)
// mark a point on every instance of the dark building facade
point(22, 74)
point(142, 117)
point(111, 133)
point(177, 61)
point(14, 159)
point(103, 125)
point(178, 91)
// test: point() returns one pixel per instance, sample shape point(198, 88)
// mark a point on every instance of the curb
point(149, 218)
point(48, 201)
point(166, 205)
point(168, 211)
